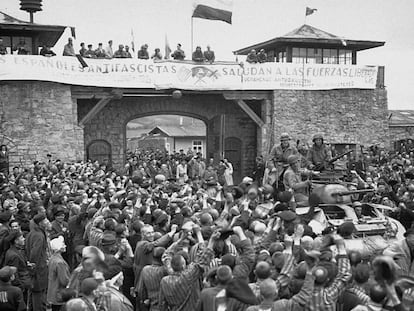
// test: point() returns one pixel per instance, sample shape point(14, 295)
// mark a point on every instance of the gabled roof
point(179, 131)
point(7, 19)
point(401, 117)
point(307, 31)
point(309, 36)
point(47, 34)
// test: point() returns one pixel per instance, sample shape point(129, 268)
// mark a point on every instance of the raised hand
point(299, 231)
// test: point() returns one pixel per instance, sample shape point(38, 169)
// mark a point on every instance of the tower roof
point(309, 36)
point(46, 34)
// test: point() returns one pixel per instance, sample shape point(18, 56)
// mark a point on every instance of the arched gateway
point(107, 118)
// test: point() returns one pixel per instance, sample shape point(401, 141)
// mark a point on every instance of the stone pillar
point(346, 116)
point(40, 118)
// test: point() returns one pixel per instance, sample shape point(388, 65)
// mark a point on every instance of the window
point(22, 45)
point(314, 56)
point(345, 57)
point(281, 57)
point(6, 42)
point(17, 45)
point(271, 56)
point(308, 55)
point(318, 56)
point(298, 55)
point(330, 56)
point(198, 146)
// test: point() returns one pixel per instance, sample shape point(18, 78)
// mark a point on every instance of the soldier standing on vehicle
point(292, 181)
point(318, 155)
point(279, 155)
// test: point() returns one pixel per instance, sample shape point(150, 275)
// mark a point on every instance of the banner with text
point(133, 73)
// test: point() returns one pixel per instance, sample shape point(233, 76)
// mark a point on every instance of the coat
point(143, 255)
point(11, 298)
point(58, 278)
point(37, 252)
point(57, 229)
point(401, 254)
point(279, 156)
point(4, 245)
point(119, 301)
point(318, 156)
point(17, 258)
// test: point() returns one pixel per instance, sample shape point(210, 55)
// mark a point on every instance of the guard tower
point(308, 44)
point(20, 37)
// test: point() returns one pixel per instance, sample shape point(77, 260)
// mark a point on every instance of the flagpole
point(192, 34)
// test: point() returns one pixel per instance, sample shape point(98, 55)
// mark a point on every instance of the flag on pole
point(310, 11)
point(167, 48)
point(220, 10)
point(132, 43)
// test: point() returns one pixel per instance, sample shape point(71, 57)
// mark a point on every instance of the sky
point(253, 21)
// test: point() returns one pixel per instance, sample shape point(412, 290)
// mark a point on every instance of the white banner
point(135, 73)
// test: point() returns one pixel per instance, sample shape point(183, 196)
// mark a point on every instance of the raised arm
point(344, 270)
point(298, 301)
point(283, 278)
point(247, 255)
point(270, 235)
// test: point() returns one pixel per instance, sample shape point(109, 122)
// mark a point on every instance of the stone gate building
point(76, 118)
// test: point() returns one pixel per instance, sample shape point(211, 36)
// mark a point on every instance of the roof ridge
point(309, 29)
point(13, 18)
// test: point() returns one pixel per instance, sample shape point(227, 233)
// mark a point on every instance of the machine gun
point(331, 161)
point(323, 166)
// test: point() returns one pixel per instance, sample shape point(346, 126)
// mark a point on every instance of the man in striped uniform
point(181, 290)
point(143, 255)
point(325, 298)
point(149, 283)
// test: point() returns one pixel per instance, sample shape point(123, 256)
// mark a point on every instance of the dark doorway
point(99, 150)
point(232, 152)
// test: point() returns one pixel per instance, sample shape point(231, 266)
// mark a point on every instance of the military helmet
point(284, 136)
point(317, 136)
point(293, 158)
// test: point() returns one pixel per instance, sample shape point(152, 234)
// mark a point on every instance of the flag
point(220, 10)
point(167, 48)
point(73, 33)
point(132, 40)
point(310, 11)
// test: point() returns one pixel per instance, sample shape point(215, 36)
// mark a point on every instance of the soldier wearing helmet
point(292, 180)
point(279, 155)
point(318, 156)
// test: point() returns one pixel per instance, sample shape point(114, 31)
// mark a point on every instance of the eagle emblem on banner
point(200, 73)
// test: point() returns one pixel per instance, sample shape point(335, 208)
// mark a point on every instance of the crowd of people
point(124, 51)
point(253, 57)
point(173, 232)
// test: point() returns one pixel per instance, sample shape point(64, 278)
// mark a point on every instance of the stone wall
point(348, 116)
point(38, 118)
